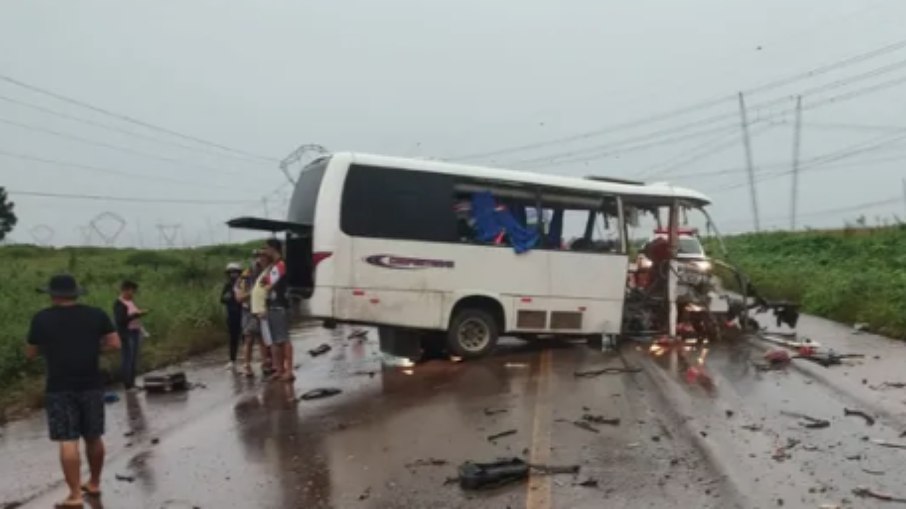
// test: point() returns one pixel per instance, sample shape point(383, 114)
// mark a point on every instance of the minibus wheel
point(473, 333)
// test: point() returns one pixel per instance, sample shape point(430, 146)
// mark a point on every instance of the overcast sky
point(442, 79)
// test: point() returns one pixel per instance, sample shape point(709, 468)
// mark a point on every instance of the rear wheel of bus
point(473, 333)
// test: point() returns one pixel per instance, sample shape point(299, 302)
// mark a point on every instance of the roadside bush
point(848, 276)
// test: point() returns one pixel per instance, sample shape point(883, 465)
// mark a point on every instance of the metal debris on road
point(324, 392)
point(502, 434)
point(430, 462)
point(752, 427)
point(873, 472)
point(606, 371)
point(494, 411)
point(587, 427)
point(866, 492)
point(858, 413)
point(885, 443)
point(813, 422)
point(600, 419)
point(320, 350)
point(588, 483)
point(890, 385)
point(125, 478)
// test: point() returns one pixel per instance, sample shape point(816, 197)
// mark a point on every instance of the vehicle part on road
point(606, 371)
point(125, 478)
point(168, 382)
point(813, 422)
point(866, 492)
point(885, 443)
point(502, 434)
point(494, 411)
point(324, 392)
point(320, 350)
point(873, 472)
point(828, 358)
point(473, 333)
point(477, 476)
point(600, 419)
point(868, 419)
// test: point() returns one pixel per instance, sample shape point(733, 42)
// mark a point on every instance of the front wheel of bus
point(473, 333)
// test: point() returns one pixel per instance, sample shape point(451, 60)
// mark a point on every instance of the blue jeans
point(131, 340)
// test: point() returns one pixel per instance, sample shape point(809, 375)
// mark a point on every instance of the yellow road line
point(539, 486)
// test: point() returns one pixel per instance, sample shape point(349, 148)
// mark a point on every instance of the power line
point(109, 171)
point(599, 151)
point(836, 210)
point(818, 162)
point(82, 120)
point(114, 147)
point(134, 199)
point(824, 69)
point(132, 120)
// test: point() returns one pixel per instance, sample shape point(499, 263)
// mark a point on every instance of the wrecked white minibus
point(448, 256)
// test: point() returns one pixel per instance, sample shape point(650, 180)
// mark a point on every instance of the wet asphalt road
point(680, 442)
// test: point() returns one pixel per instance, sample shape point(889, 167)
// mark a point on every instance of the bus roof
point(655, 190)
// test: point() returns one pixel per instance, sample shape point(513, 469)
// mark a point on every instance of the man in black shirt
point(70, 337)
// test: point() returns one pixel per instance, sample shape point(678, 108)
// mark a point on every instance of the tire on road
point(473, 333)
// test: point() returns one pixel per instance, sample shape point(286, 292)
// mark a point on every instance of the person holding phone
point(127, 317)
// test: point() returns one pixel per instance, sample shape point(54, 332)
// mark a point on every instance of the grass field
point(853, 275)
point(180, 287)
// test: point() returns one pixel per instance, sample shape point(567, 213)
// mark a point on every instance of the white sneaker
point(230, 366)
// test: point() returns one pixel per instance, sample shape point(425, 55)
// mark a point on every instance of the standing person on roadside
point(275, 283)
point(70, 337)
point(251, 326)
point(233, 311)
point(258, 308)
point(127, 317)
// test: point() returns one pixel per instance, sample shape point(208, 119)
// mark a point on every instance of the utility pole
point(750, 166)
point(797, 140)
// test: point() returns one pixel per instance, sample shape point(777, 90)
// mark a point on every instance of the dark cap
point(64, 286)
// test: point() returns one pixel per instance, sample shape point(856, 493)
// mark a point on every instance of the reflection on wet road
point(698, 427)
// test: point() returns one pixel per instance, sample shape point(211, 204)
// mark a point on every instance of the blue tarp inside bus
point(494, 223)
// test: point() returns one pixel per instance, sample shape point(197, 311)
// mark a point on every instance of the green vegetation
point(180, 287)
point(852, 275)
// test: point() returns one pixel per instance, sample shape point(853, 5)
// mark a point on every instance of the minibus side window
point(391, 203)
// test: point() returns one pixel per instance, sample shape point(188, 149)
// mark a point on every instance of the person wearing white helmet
point(233, 310)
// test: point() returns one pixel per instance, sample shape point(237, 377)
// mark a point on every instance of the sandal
point(70, 503)
point(91, 493)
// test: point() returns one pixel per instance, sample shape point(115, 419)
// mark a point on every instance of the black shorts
point(74, 415)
